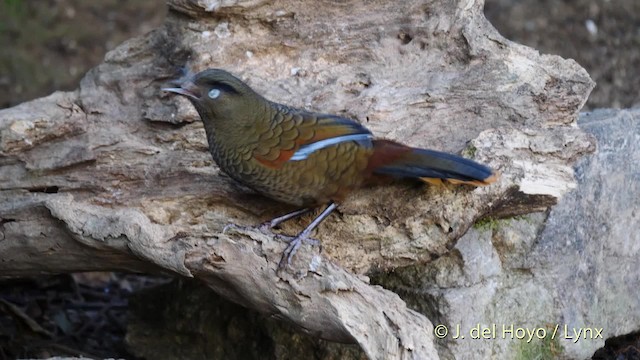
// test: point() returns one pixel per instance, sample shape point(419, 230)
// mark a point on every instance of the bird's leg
point(280, 219)
point(295, 243)
point(268, 225)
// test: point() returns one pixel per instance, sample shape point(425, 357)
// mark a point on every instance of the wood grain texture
point(116, 175)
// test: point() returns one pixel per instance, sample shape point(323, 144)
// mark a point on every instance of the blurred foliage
point(49, 44)
point(13, 8)
point(601, 35)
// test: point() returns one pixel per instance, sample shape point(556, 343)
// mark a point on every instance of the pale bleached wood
point(116, 174)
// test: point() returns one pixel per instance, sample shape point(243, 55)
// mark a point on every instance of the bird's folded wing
point(294, 135)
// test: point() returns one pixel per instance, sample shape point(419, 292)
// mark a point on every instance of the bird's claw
point(288, 253)
point(294, 242)
point(306, 240)
point(266, 227)
point(230, 226)
point(292, 248)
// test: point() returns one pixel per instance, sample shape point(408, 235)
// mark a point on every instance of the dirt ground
point(48, 45)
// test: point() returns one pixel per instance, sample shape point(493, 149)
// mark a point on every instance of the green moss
point(524, 218)
point(486, 224)
point(546, 348)
point(489, 223)
point(470, 151)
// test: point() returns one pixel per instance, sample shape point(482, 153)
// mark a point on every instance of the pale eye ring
point(214, 93)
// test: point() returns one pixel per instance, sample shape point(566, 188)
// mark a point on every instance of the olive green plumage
point(305, 158)
point(253, 139)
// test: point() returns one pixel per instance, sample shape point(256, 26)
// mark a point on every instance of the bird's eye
point(214, 93)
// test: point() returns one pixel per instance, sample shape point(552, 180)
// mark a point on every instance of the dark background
point(48, 45)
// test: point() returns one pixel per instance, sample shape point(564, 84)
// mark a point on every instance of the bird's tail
point(397, 160)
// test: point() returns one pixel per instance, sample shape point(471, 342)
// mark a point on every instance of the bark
point(116, 174)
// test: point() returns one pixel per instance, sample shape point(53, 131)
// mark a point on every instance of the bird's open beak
point(187, 89)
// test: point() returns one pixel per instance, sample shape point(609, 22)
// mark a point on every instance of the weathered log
point(116, 175)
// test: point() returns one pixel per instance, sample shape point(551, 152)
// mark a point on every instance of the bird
point(304, 158)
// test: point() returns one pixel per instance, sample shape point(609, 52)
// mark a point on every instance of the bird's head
point(218, 96)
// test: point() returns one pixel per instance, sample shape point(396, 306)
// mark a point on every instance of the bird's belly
point(327, 174)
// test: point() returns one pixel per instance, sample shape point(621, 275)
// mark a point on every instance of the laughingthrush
point(304, 158)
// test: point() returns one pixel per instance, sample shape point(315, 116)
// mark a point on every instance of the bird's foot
point(230, 226)
point(266, 227)
point(294, 242)
point(269, 225)
point(292, 248)
point(306, 240)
